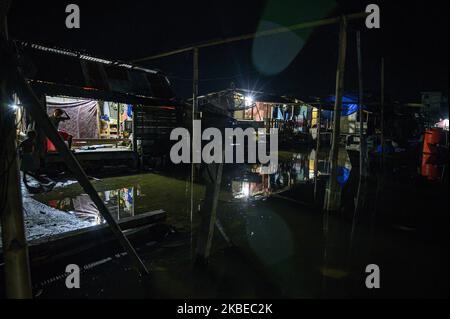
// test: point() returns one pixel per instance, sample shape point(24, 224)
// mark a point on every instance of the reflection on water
point(120, 203)
point(242, 182)
point(293, 169)
point(279, 242)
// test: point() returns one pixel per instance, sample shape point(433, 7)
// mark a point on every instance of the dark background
point(413, 39)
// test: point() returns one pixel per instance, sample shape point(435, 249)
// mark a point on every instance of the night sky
point(413, 39)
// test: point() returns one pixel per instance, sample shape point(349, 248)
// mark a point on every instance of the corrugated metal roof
point(64, 68)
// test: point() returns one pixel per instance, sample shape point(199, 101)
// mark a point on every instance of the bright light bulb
point(248, 100)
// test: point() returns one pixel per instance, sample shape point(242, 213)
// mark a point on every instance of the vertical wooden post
point(208, 211)
point(15, 248)
point(118, 121)
point(382, 116)
point(316, 159)
point(362, 139)
point(194, 115)
point(134, 124)
point(333, 194)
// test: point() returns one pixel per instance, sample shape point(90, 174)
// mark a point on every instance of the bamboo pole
point(299, 26)
point(316, 159)
point(362, 140)
point(15, 246)
point(195, 77)
point(382, 115)
point(332, 197)
point(209, 213)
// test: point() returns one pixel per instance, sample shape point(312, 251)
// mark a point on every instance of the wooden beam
point(208, 212)
point(333, 194)
point(299, 26)
point(17, 268)
point(316, 159)
point(77, 241)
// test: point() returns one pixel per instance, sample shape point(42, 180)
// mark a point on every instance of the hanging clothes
point(125, 114)
point(106, 110)
point(130, 111)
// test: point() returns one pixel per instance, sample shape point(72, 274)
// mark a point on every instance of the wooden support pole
point(316, 159)
point(362, 139)
point(118, 121)
point(208, 212)
point(134, 129)
point(382, 116)
point(15, 247)
point(195, 76)
point(333, 193)
point(299, 26)
point(33, 105)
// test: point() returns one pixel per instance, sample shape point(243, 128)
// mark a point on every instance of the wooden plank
point(77, 241)
point(100, 230)
point(299, 26)
point(208, 212)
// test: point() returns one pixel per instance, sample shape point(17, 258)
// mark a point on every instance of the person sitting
point(29, 162)
point(56, 118)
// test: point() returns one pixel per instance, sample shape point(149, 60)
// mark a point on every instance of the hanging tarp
point(349, 104)
point(83, 121)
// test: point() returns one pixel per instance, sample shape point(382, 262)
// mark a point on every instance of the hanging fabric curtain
point(83, 121)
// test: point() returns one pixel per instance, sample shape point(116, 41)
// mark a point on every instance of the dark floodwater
point(134, 195)
point(285, 246)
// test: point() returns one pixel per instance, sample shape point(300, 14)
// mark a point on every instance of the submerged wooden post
point(316, 159)
point(333, 193)
point(194, 114)
point(362, 140)
point(382, 116)
point(15, 248)
point(208, 212)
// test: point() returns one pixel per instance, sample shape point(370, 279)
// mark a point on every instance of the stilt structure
point(15, 247)
point(363, 158)
point(208, 212)
point(17, 83)
point(316, 159)
point(333, 191)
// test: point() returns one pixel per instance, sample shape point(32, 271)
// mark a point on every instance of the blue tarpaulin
point(343, 175)
point(349, 104)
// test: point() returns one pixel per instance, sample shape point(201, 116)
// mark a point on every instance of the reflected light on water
point(120, 203)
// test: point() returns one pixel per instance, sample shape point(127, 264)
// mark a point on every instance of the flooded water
point(133, 195)
point(285, 246)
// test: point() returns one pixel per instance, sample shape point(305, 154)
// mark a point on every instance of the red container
point(429, 170)
point(431, 138)
point(50, 147)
